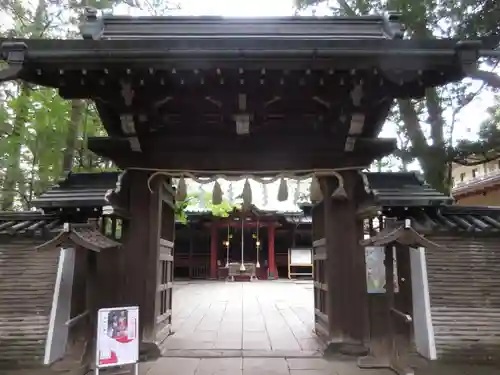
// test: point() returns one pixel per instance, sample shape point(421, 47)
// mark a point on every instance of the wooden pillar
point(213, 251)
point(140, 250)
point(346, 277)
point(135, 243)
point(273, 274)
point(152, 259)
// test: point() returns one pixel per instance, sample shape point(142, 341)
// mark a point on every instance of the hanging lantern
point(217, 194)
point(247, 195)
point(315, 190)
point(283, 191)
point(181, 193)
point(242, 265)
point(257, 245)
point(227, 244)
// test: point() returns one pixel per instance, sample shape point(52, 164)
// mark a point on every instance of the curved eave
point(388, 55)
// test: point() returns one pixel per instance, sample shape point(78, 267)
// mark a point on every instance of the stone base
point(272, 275)
point(148, 351)
point(369, 362)
point(346, 349)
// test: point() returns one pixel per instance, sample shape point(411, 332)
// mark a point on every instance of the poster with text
point(117, 336)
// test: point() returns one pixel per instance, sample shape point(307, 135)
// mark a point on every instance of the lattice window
point(166, 269)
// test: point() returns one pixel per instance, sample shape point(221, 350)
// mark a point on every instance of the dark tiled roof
point(450, 219)
point(79, 190)
point(18, 223)
point(404, 189)
point(84, 235)
point(188, 29)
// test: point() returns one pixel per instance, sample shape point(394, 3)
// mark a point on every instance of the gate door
point(319, 271)
point(165, 290)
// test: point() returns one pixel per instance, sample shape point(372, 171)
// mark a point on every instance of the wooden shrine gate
point(151, 207)
point(288, 97)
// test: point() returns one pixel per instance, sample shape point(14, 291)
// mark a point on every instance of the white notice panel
point(117, 337)
point(301, 257)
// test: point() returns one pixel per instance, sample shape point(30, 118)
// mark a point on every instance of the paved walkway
point(268, 318)
point(258, 328)
point(290, 366)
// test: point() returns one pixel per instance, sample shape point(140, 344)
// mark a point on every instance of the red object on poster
point(123, 339)
point(110, 360)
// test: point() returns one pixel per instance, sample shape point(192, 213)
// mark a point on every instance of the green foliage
point(487, 147)
point(38, 129)
point(181, 208)
point(192, 200)
point(426, 126)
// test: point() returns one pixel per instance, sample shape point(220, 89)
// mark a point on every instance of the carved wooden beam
point(231, 154)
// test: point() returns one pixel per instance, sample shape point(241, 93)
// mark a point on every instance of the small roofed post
point(392, 351)
point(402, 233)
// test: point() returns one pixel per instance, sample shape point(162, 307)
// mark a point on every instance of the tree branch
point(347, 9)
point(490, 78)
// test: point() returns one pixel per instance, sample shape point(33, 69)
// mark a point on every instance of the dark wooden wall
point(464, 286)
point(192, 252)
point(27, 280)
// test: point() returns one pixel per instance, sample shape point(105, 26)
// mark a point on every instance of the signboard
point(300, 257)
point(117, 337)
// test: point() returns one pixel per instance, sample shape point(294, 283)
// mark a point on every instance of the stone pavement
point(265, 366)
point(262, 318)
point(258, 328)
point(289, 366)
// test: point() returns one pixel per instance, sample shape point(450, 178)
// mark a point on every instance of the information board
point(300, 257)
point(117, 336)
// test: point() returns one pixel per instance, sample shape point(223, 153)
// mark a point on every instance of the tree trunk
point(77, 109)
point(432, 158)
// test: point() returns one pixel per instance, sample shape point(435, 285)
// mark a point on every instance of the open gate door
point(321, 325)
point(164, 291)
